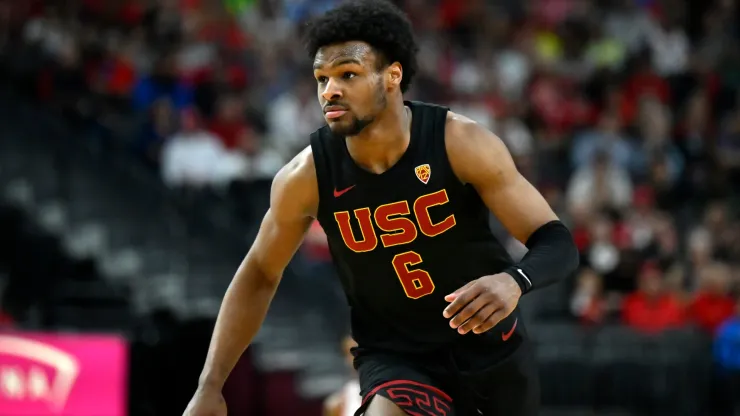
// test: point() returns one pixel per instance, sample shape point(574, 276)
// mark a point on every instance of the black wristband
point(524, 282)
point(552, 257)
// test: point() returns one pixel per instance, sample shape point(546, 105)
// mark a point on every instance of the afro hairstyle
point(378, 23)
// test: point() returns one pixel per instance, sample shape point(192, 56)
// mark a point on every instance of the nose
point(331, 91)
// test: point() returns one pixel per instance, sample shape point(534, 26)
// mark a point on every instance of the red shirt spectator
point(315, 244)
point(644, 82)
point(651, 309)
point(121, 77)
point(713, 304)
point(230, 125)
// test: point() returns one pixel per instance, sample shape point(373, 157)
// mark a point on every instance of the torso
point(403, 239)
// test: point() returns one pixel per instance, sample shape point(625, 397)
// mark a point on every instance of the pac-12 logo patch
point(423, 172)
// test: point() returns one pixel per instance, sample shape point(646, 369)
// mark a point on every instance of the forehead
point(344, 52)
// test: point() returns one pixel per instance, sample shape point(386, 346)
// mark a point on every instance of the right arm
point(293, 204)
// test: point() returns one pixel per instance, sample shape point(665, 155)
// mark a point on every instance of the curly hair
point(378, 23)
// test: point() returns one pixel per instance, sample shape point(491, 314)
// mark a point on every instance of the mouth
point(334, 112)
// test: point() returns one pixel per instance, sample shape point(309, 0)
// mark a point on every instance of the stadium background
point(138, 139)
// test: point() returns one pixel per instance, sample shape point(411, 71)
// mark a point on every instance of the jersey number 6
point(416, 283)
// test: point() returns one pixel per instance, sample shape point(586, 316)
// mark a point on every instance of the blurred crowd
point(624, 113)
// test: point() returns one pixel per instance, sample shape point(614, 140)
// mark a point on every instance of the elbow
point(268, 279)
point(258, 275)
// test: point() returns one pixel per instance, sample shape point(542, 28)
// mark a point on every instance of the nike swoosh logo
point(337, 194)
point(506, 335)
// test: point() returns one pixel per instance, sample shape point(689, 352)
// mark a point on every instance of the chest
point(373, 215)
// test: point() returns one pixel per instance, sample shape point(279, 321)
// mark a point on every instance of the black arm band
point(552, 256)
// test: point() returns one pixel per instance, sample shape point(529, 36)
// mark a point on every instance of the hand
point(206, 402)
point(483, 303)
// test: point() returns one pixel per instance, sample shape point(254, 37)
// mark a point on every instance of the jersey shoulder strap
point(430, 134)
point(327, 162)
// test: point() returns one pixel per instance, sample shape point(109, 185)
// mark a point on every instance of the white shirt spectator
point(514, 71)
point(516, 136)
point(290, 123)
point(198, 158)
point(630, 26)
point(670, 50)
point(613, 188)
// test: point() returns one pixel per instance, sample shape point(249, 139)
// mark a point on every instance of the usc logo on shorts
point(423, 172)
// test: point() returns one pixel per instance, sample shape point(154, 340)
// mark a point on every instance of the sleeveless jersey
point(403, 239)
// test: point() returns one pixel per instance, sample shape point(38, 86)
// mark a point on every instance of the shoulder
point(295, 187)
point(473, 150)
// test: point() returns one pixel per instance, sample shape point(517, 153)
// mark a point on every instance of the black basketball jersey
point(403, 239)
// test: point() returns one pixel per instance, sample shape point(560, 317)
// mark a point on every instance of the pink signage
point(62, 375)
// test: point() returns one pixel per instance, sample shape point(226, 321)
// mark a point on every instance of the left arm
point(480, 159)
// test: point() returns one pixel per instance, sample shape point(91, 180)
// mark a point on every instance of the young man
point(402, 190)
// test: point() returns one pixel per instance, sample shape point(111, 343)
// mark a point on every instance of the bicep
point(482, 160)
point(293, 202)
point(518, 205)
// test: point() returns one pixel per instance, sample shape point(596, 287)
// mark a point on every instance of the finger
point(492, 321)
point(455, 294)
point(478, 319)
point(468, 311)
point(461, 300)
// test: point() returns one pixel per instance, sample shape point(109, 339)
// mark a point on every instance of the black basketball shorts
point(433, 386)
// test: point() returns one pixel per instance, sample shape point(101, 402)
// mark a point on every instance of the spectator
point(66, 84)
point(651, 309)
point(162, 124)
point(669, 45)
point(654, 127)
point(727, 359)
point(600, 185)
point(712, 304)
point(292, 117)
point(315, 245)
point(701, 248)
point(162, 83)
point(588, 303)
point(196, 158)
point(607, 139)
point(629, 24)
point(231, 127)
point(602, 253)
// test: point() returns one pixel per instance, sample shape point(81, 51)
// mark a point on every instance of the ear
point(394, 75)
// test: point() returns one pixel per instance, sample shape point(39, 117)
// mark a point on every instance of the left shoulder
point(473, 150)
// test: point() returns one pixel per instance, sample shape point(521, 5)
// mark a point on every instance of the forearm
point(552, 256)
point(242, 312)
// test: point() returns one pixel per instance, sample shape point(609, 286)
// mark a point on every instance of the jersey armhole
point(440, 132)
point(323, 178)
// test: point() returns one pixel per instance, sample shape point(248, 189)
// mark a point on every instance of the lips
point(334, 111)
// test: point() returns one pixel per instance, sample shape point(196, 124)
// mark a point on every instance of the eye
point(348, 75)
point(321, 79)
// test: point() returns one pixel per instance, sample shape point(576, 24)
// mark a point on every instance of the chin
point(343, 128)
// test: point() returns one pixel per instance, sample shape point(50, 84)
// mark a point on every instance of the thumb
point(452, 296)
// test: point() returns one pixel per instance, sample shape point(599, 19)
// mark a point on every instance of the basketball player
point(402, 190)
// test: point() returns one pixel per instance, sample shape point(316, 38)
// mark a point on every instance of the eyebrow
point(339, 62)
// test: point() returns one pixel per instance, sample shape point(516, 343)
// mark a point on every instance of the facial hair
point(359, 124)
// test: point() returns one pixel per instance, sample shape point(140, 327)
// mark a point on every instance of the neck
point(383, 142)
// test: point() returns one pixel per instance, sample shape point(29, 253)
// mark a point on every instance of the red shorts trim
point(416, 399)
